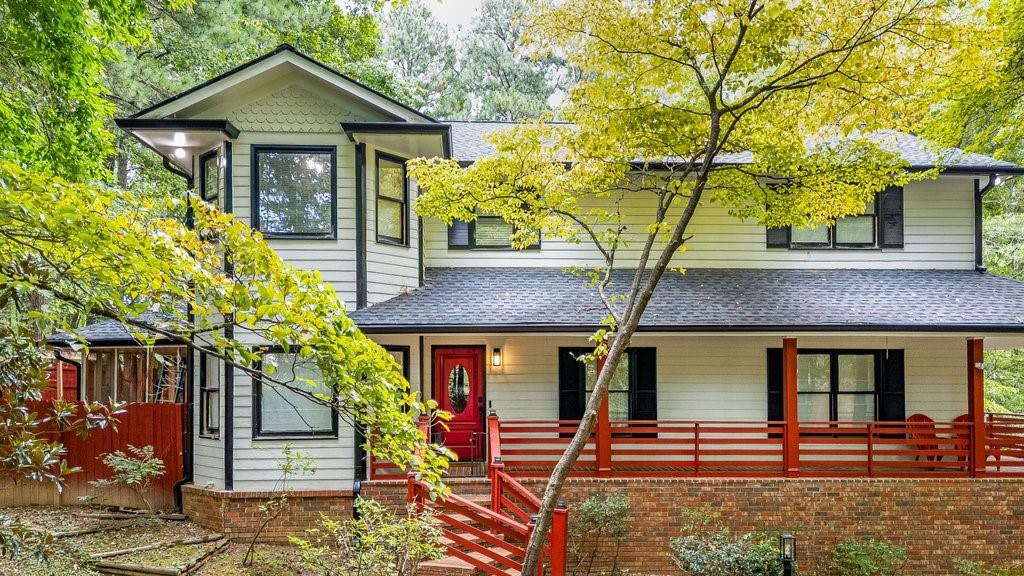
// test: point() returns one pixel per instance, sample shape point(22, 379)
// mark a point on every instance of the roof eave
point(732, 328)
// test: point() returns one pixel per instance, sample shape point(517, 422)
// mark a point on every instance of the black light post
point(787, 553)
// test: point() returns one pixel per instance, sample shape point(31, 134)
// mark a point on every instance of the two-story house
point(853, 351)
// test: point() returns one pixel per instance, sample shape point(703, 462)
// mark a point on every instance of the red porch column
point(976, 404)
point(604, 432)
point(791, 436)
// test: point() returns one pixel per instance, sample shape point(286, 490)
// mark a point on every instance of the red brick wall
point(937, 520)
point(236, 514)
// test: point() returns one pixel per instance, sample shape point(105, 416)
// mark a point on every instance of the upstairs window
point(294, 191)
point(881, 226)
point(487, 232)
point(392, 201)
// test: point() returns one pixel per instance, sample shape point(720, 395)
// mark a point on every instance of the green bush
point(597, 529)
point(378, 543)
point(720, 553)
point(978, 569)
point(864, 558)
point(135, 471)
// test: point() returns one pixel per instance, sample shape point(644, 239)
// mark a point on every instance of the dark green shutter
point(777, 237)
point(890, 217)
point(776, 406)
point(892, 397)
point(644, 384)
point(570, 384)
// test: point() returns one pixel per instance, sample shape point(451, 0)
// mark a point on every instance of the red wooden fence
point(157, 425)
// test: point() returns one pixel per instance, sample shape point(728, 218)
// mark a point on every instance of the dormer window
point(487, 232)
point(294, 191)
point(392, 201)
point(881, 226)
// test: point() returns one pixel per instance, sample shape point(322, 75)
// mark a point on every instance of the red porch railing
point(530, 449)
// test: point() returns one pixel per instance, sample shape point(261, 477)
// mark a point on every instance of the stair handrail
point(501, 481)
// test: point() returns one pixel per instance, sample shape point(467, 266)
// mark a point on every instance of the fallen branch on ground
point(155, 545)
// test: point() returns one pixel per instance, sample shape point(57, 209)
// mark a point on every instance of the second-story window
point(294, 191)
point(486, 232)
point(392, 201)
point(880, 226)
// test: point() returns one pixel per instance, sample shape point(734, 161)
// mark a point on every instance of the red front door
point(459, 389)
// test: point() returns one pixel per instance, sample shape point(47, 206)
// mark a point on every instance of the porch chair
point(921, 433)
point(962, 435)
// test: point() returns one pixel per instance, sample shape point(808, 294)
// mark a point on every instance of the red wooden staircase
point(488, 534)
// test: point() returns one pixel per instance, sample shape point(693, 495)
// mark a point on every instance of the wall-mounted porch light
point(787, 553)
point(496, 357)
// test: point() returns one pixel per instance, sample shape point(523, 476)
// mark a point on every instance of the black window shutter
point(644, 403)
point(890, 217)
point(891, 398)
point(777, 237)
point(776, 405)
point(458, 234)
point(570, 384)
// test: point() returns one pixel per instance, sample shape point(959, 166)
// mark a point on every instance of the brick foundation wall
point(237, 515)
point(937, 521)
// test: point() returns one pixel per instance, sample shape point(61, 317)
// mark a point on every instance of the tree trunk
point(621, 340)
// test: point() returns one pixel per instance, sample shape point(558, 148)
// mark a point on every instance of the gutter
point(979, 240)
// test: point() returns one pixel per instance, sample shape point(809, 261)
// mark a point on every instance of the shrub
point(377, 543)
point(135, 471)
point(720, 553)
point(291, 463)
point(597, 528)
point(864, 558)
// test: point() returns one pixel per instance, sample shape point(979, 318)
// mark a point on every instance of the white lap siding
point(938, 231)
point(711, 377)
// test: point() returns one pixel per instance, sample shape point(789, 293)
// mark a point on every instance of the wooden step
point(447, 566)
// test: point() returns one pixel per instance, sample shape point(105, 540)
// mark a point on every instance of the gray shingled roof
point(548, 299)
point(106, 331)
point(468, 144)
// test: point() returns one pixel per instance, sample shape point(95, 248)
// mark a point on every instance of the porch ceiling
point(709, 300)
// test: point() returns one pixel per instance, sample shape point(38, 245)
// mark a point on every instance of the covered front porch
point(755, 406)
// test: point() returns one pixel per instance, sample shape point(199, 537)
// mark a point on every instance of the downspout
point(979, 240)
point(229, 332)
point(187, 436)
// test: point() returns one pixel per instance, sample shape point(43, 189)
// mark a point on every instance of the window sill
point(278, 236)
point(390, 242)
point(494, 249)
point(293, 436)
point(209, 436)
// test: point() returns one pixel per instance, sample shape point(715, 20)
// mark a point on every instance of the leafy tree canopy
point(673, 94)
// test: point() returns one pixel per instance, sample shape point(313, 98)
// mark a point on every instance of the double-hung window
point(290, 398)
point(486, 232)
point(632, 393)
point(209, 177)
point(294, 191)
point(392, 201)
point(880, 226)
point(838, 385)
point(210, 373)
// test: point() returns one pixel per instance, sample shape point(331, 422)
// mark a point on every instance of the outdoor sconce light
point(787, 553)
point(496, 357)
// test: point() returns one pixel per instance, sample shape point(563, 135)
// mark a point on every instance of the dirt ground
point(70, 556)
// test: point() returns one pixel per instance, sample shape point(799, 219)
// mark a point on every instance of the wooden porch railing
point(644, 449)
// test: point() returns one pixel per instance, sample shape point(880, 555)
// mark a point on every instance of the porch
point(942, 430)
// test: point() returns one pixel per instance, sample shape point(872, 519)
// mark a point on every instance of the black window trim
point(214, 153)
point(384, 239)
point(632, 379)
point(472, 245)
point(406, 351)
point(255, 188)
point(833, 244)
point(257, 418)
point(833, 391)
point(204, 432)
